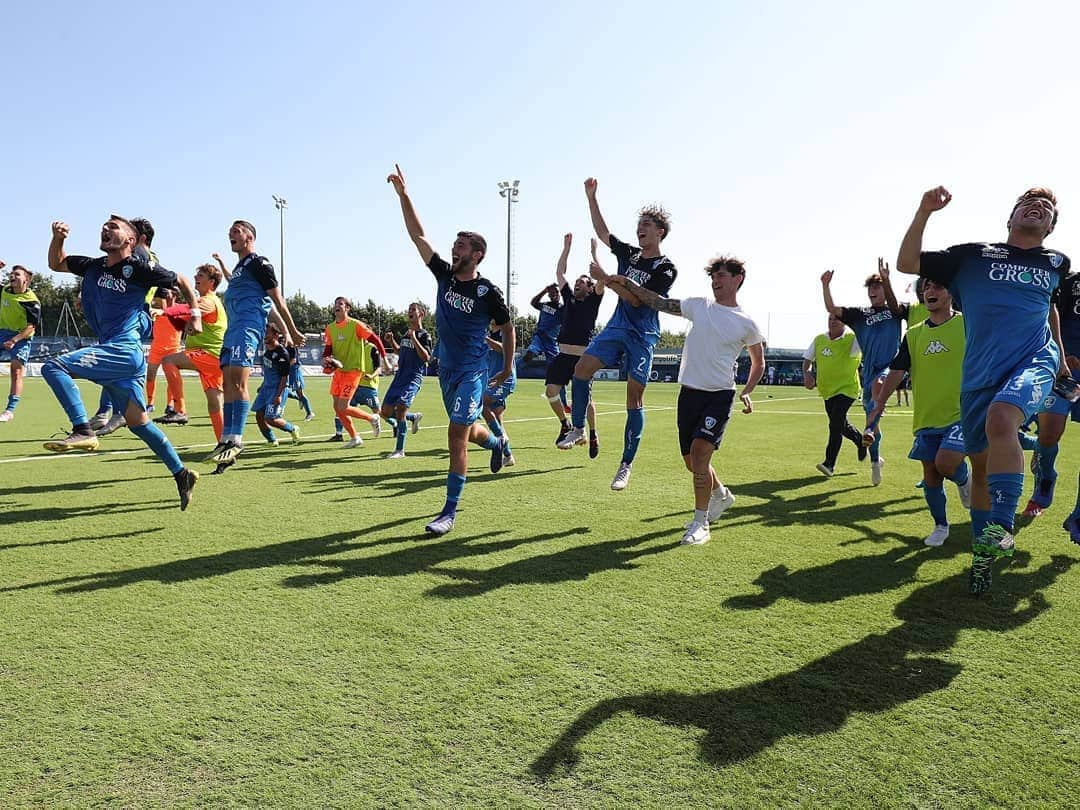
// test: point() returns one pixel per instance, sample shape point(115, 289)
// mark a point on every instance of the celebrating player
point(296, 383)
point(167, 331)
point(414, 352)
point(633, 330)
point(545, 341)
point(114, 288)
point(719, 332)
point(877, 328)
point(270, 399)
point(466, 303)
point(496, 394)
point(1011, 357)
point(347, 354)
point(20, 314)
point(932, 352)
point(835, 356)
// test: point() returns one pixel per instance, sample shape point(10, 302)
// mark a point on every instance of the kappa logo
point(826, 352)
point(710, 423)
point(88, 360)
point(936, 347)
point(481, 290)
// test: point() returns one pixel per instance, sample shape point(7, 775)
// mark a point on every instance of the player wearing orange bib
point(346, 353)
point(167, 332)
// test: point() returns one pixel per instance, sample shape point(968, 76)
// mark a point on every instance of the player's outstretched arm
point(560, 266)
point(225, 271)
point(911, 247)
point(892, 382)
point(412, 221)
point(600, 282)
point(757, 370)
point(826, 294)
point(57, 255)
point(287, 324)
point(601, 228)
point(890, 296)
point(672, 306)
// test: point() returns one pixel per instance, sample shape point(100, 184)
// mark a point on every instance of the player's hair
point(29, 273)
point(243, 223)
point(920, 285)
point(213, 272)
point(873, 279)
point(659, 216)
point(348, 303)
point(419, 306)
point(144, 228)
point(118, 218)
point(477, 242)
point(733, 266)
point(1037, 193)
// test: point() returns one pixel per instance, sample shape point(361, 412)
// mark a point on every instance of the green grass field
point(294, 639)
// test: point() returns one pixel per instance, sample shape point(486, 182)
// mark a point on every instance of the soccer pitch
point(294, 638)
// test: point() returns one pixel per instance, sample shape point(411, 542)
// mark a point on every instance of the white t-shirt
point(714, 343)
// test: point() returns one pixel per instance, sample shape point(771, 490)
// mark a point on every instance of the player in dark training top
point(878, 329)
point(114, 290)
point(270, 399)
point(633, 330)
point(1011, 358)
point(545, 342)
point(465, 304)
point(414, 352)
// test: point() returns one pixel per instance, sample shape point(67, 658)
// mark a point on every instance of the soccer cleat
point(87, 442)
point(114, 424)
point(416, 422)
point(563, 430)
point(994, 541)
point(150, 409)
point(185, 483)
point(225, 451)
point(376, 427)
point(1072, 526)
point(862, 452)
point(875, 471)
point(99, 420)
point(336, 437)
point(355, 441)
point(508, 461)
point(397, 454)
point(172, 418)
point(825, 469)
point(309, 417)
point(697, 534)
point(498, 454)
point(295, 433)
point(272, 442)
point(222, 467)
point(573, 437)
point(719, 502)
point(622, 477)
point(594, 446)
point(981, 576)
point(440, 525)
point(214, 453)
point(1033, 509)
point(937, 537)
point(964, 491)
point(6, 416)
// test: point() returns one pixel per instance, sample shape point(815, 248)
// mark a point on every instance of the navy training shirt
point(657, 275)
point(463, 310)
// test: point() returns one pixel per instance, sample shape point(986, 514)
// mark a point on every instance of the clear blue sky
point(796, 136)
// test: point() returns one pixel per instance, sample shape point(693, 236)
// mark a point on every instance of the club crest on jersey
point(1055, 260)
point(710, 423)
point(127, 271)
point(481, 290)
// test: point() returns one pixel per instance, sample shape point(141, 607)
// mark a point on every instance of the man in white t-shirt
point(717, 337)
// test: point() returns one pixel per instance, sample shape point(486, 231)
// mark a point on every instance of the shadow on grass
point(54, 488)
point(405, 482)
point(69, 512)
point(875, 674)
point(855, 576)
point(68, 540)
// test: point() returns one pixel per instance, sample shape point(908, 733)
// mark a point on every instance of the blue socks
point(67, 393)
point(13, 402)
point(961, 475)
point(1047, 457)
point(400, 432)
point(935, 499)
point(267, 433)
point(240, 414)
point(1028, 441)
point(1005, 490)
point(158, 442)
point(491, 442)
point(455, 483)
point(580, 391)
point(562, 397)
point(635, 426)
point(979, 519)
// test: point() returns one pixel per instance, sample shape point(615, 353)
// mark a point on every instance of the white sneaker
point(99, 420)
point(719, 502)
point(965, 493)
point(397, 454)
point(6, 416)
point(622, 477)
point(309, 417)
point(508, 461)
point(416, 422)
point(576, 436)
point(376, 427)
point(272, 442)
point(875, 472)
point(825, 469)
point(114, 424)
point(697, 534)
point(937, 537)
point(295, 433)
point(354, 442)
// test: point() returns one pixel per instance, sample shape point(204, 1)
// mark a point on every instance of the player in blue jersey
point(633, 330)
point(414, 352)
point(466, 303)
point(252, 289)
point(114, 290)
point(496, 394)
point(270, 399)
point(878, 329)
point(545, 342)
point(1011, 357)
point(296, 386)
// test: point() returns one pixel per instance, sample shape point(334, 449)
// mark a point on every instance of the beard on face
point(464, 264)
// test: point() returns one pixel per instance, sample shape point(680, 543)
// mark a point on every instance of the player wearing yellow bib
point(933, 353)
point(20, 313)
point(835, 357)
point(347, 352)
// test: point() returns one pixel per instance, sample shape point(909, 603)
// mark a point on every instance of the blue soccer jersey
point(878, 331)
point(1007, 293)
point(246, 301)
point(275, 365)
point(409, 363)
point(548, 325)
point(1068, 305)
point(114, 297)
point(463, 310)
point(656, 274)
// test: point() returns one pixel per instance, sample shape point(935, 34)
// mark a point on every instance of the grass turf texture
point(294, 638)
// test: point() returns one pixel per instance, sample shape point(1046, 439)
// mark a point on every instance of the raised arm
point(601, 283)
point(560, 266)
point(57, 255)
point(826, 294)
point(412, 222)
point(601, 228)
point(890, 296)
point(647, 297)
point(391, 341)
point(535, 303)
point(225, 271)
point(911, 247)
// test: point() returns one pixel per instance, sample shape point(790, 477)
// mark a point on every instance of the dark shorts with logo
point(561, 369)
point(702, 415)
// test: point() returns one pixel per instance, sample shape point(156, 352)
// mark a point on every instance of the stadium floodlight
point(509, 190)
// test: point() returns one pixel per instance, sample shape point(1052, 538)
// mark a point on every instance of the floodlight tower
point(280, 204)
point(509, 190)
